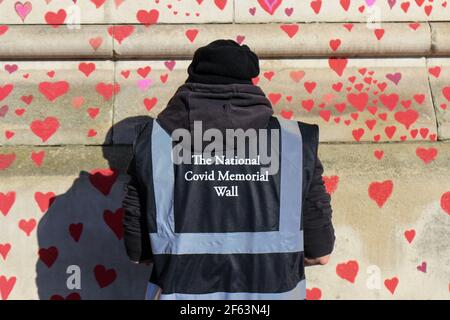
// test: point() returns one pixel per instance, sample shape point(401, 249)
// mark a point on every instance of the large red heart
point(27, 226)
point(445, 202)
point(331, 183)
point(348, 270)
point(98, 3)
point(53, 90)
point(6, 159)
point(391, 284)
point(107, 90)
point(48, 255)
point(409, 235)
point(427, 155)
point(313, 294)
point(147, 17)
point(390, 101)
point(338, 65)
point(6, 286)
point(381, 191)
point(445, 92)
point(55, 19)
point(120, 33)
point(104, 276)
point(358, 100)
point(407, 118)
point(44, 200)
point(103, 179)
point(5, 91)
point(7, 201)
point(115, 221)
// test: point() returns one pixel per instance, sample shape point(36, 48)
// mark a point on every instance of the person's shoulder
point(308, 128)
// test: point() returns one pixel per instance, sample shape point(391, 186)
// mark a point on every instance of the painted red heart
point(391, 284)
point(38, 157)
point(445, 202)
point(46, 128)
point(150, 103)
point(220, 4)
point(86, 68)
point(147, 18)
point(3, 30)
point(358, 100)
point(6, 286)
point(358, 133)
point(290, 29)
point(316, 5)
point(338, 65)
point(270, 6)
point(381, 191)
point(54, 90)
point(6, 201)
point(5, 91)
point(98, 3)
point(55, 19)
point(6, 160)
point(114, 220)
point(445, 92)
point(107, 90)
point(27, 226)
point(104, 276)
point(313, 294)
point(75, 230)
point(120, 33)
point(410, 235)
point(390, 101)
point(48, 255)
point(4, 249)
point(426, 154)
point(44, 200)
point(103, 179)
point(70, 296)
point(331, 183)
point(191, 34)
point(378, 154)
point(407, 118)
point(287, 114)
point(348, 270)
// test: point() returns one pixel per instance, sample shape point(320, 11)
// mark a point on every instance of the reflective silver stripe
point(288, 239)
point(298, 293)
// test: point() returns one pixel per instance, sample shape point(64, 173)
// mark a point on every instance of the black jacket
point(224, 106)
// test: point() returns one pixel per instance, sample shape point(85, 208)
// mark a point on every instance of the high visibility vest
point(234, 264)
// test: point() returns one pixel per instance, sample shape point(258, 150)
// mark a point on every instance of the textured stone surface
point(439, 74)
point(293, 40)
point(354, 100)
point(441, 38)
point(373, 236)
point(378, 192)
point(117, 11)
point(66, 102)
point(54, 12)
point(356, 10)
point(40, 42)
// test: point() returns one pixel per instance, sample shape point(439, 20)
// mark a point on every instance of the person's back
point(218, 190)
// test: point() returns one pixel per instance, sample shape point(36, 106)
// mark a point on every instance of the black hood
point(219, 106)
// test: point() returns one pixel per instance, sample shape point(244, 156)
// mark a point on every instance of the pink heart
point(144, 84)
point(370, 2)
point(23, 9)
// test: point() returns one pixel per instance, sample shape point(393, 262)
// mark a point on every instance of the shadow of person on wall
point(80, 237)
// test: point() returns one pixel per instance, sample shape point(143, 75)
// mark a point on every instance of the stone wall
point(76, 76)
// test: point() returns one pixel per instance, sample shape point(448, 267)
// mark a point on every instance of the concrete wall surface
point(77, 76)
